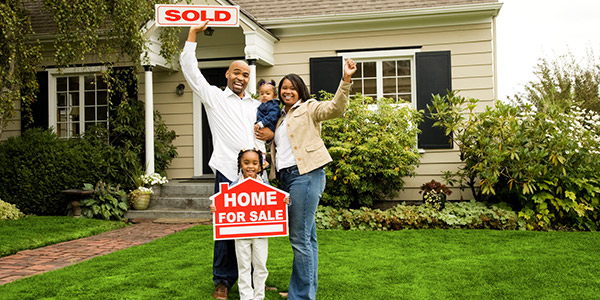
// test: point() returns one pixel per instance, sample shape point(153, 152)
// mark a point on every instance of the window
point(389, 74)
point(77, 102)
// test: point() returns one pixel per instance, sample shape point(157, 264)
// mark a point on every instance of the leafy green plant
point(564, 82)
point(372, 150)
point(465, 215)
point(19, 56)
point(544, 163)
point(9, 211)
point(37, 165)
point(108, 202)
point(434, 194)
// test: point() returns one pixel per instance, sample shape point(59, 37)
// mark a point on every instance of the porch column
point(252, 82)
point(149, 118)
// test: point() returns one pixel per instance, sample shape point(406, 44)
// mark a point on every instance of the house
point(405, 49)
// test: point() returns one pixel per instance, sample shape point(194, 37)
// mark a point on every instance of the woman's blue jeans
point(305, 191)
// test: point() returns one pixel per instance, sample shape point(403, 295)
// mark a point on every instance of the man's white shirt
point(231, 119)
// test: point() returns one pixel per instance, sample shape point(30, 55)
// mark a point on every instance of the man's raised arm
point(189, 66)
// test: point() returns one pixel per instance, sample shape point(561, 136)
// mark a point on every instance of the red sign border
point(284, 232)
point(157, 6)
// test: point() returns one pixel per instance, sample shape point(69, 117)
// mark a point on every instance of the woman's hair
point(272, 83)
point(298, 84)
point(260, 159)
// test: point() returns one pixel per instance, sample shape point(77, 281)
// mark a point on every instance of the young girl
point(251, 253)
point(268, 112)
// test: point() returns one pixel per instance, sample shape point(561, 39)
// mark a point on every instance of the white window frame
point(378, 56)
point(52, 100)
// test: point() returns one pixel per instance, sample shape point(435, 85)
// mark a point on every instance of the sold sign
point(189, 15)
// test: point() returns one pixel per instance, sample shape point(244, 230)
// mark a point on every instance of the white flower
point(153, 179)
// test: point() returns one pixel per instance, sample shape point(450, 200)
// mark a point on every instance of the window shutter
point(39, 107)
point(434, 76)
point(325, 74)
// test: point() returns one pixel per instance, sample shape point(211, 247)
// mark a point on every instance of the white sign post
point(189, 15)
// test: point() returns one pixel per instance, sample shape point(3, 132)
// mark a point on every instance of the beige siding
point(14, 125)
point(472, 73)
point(176, 111)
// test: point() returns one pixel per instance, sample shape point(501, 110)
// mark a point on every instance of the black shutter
point(39, 107)
point(434, 76)
point(325, 74)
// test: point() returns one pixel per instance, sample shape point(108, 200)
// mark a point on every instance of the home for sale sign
point(249, 209)
point(188, 15)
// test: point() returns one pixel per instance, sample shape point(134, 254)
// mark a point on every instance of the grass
point(33, 232)
point(410, 264)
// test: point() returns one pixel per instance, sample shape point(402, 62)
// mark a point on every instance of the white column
point(252, 82)
point(149, 119)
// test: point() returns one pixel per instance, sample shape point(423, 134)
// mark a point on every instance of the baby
point(268, 112)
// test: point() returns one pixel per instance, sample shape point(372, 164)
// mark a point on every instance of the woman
point(299, 155)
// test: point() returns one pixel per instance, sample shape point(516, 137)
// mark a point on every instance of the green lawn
point(34, 232)
point(410, 264)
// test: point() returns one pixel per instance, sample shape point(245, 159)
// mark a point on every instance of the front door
point(216, 77)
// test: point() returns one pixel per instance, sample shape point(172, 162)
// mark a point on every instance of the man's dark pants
point(224, 262)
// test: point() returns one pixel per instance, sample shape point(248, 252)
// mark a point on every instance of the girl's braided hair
point(260, 159)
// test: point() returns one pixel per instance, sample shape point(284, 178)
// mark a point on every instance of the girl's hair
point(260, 159)
point(272, 83)
point(298, 84)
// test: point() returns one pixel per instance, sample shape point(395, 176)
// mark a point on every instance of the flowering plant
point(434, 186)
point(145, 183)
point(434, 194)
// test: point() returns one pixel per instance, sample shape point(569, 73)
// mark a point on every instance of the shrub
point(462, 215)
point(545, 164)
point(36, 166)
point(108, 202)
point(372, 150)
point(565, 82)
point(9, 211)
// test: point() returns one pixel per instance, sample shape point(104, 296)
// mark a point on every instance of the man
point(231, 114)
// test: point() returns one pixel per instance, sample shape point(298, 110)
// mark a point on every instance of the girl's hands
point(286, 200)
point(349, 70)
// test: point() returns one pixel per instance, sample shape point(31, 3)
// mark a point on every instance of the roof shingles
point(280, 9)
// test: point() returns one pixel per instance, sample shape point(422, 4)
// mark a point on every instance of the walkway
point(32, 262)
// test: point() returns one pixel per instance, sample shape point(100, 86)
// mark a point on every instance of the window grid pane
point(67, 101)
point(94, 101)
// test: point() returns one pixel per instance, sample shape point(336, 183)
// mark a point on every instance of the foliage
point(145, 182)
point(19, 56)
point(33, 232)
point(544, 163)
point(126, 140)
point(465, 215)
point(109, 29)
point(36, 166)
point(434, 194)
point(372, 150)
point(565, 82)
point(9, 211)
point(108, 202)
